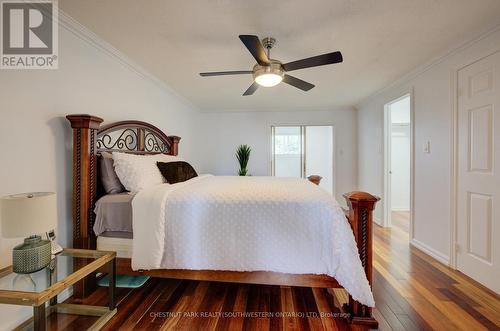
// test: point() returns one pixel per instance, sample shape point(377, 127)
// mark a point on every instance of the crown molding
point(429, 65)
point(83, 33)
point(319, 109)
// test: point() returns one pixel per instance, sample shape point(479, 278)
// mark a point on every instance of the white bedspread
point(284, 225)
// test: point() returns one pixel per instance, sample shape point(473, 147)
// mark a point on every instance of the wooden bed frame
point(90, 139)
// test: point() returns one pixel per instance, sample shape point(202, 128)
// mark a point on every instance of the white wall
point(225, 131)
point(432, 101)
point(36, 140)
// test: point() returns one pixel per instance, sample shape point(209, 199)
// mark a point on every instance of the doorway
point(398, 164)
point(302, 151)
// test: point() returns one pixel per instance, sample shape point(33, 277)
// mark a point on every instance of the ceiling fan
point(269, 72)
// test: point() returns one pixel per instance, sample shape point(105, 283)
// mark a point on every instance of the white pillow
point(137, 172)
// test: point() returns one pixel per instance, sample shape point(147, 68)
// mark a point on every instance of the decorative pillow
point(137, 172)
point(176, 172)
point(109, 179)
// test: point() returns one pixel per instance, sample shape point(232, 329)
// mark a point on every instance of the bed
point(260, 230)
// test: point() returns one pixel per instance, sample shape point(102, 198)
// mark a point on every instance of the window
point(301, 151)
point(288, 157)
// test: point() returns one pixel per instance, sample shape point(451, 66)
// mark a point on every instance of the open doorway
point(398, 164)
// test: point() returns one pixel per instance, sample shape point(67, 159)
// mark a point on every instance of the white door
point(478, 231)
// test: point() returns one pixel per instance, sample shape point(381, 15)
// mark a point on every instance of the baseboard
point(401, 209)
point(431, 252)
point(377, 221)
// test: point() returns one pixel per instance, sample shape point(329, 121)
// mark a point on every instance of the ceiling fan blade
point(225, 73)
point(298, 83)
point(315, 61)
point(251, 89)
point(253, 44)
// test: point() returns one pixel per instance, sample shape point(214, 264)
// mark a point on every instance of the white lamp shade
point(28, 214)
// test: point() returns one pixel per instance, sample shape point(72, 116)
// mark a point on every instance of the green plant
point(243, 154)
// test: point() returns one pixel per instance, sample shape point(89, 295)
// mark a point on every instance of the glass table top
point(63, 264)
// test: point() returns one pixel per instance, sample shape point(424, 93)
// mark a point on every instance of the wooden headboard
point(90, 139)
point(135, 137)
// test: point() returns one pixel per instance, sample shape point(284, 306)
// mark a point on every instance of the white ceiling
point(381, 40)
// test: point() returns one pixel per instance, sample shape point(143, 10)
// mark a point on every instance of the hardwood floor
point(401, 220)
point(412, 292)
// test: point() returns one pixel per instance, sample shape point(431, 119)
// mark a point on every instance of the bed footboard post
point(360, 215)
point(174, 149)
point(84, 189)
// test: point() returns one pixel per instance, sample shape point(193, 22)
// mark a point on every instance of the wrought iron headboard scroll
point(133, 137)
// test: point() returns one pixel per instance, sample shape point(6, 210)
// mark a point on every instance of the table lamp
point(28, 215)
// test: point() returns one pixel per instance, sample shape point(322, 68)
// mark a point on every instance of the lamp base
point(30, 256)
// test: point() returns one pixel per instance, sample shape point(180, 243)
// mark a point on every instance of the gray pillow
point(109, 179)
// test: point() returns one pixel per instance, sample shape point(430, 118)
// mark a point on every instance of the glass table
point(38, 288)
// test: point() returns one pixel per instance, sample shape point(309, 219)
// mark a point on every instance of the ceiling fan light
point(269, 75)
point(268, 79)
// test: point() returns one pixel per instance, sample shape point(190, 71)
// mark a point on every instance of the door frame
point(454, 94)
point(386, 210)
point(334, 149)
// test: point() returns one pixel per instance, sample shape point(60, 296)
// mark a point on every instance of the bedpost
point(174, 149)
point(84, 188)
point(360, 215)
